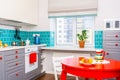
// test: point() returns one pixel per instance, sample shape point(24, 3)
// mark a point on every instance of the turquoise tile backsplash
point(7, 36)
point(98, 39)
point(46, 37)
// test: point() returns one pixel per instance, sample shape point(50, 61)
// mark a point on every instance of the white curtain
point(72, 7)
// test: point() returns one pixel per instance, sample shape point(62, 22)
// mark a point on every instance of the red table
point(97, 71)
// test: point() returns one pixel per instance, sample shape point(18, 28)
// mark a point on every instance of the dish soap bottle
point(27, 42)
point(37, 39)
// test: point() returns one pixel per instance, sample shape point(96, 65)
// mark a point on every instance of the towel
point(32, 57)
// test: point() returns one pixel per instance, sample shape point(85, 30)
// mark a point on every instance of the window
point(66, 28)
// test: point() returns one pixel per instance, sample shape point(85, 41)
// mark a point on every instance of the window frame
point(74, 43)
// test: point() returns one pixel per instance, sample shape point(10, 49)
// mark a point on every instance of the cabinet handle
point(17, 74)
point(16, 51)
point(107, 53)
point(16, 57)
point(0, 57)
point(116, 44)
point(16, 63)
point(116, 36)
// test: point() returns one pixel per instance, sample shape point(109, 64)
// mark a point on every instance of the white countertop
point(18, 47)
point(68, 48)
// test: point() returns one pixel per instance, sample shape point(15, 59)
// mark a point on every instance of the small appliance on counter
point(14, 43)
point(22, 43)
point(27, 42)
point(37, 39)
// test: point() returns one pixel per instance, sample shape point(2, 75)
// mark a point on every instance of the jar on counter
point(27, 42)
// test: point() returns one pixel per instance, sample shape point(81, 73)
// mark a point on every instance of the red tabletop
point(98, 71)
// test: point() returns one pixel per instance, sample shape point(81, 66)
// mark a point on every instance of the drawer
point(13, 57)
point(17, 74)
point(111, 50)
point(30, 75)
point(113, 55)
point(110, 32)
point(13, 52)
point(111, 35)
point(111, 44)
point(15, 64)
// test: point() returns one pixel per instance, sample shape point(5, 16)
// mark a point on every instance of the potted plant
point(82, 38)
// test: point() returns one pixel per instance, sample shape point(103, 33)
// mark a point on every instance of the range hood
point(14, 23)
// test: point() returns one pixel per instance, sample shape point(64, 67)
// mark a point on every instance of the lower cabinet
point(1, 60)
point(13, 64)
point(111, 43)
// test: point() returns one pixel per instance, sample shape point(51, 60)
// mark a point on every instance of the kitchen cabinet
point(1, 60)
point(19, 10)
point(14, 64)
point(111, 43)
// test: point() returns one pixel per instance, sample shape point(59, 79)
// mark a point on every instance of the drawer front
point(111, 35)
point(13, 57)
point(111, 44)
point(30, 75)
point(112, 50)
point(17, 74)
point(113, 55)
point(14, 64)
point(13, 52)
point(1, 75)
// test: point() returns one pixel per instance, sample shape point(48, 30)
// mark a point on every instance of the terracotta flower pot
point(81, 44)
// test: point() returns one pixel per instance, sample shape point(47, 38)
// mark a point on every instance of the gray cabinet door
point(1, 67)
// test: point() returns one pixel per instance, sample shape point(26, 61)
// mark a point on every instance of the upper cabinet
point(25, 11)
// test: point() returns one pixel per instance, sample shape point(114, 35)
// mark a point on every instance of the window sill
point(61, 48)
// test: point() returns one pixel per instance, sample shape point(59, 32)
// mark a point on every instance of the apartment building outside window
point(66, 28)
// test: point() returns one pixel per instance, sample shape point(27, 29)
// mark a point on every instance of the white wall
point(107, 9)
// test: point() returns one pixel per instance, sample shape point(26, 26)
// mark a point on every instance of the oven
point(31, 58)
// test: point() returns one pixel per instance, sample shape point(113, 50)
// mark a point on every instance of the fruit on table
point(80, 58)
point(90, 60)
point(87, 60)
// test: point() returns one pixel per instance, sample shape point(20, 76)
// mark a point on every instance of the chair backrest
point(57, 63)
point(58, 66)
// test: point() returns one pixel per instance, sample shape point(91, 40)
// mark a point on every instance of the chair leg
point(77, 78)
